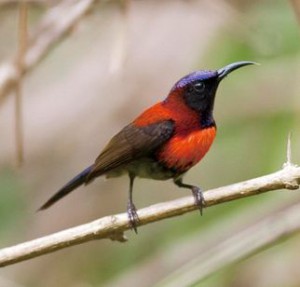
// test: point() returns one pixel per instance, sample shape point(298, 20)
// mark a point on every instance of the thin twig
point(240, 245)
point(54, 26)
point(114, 226)
point(20, 64)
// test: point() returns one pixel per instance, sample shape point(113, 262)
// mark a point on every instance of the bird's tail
point(78, 180)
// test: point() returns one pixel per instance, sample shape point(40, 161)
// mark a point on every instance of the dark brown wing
point(131, 143)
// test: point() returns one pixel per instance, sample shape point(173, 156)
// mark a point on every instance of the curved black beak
point(223, 72)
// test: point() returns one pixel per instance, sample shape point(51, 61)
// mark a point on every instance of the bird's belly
point(181, 152)
point(144, 168)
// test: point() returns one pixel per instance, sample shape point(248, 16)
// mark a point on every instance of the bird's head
point(198, 89)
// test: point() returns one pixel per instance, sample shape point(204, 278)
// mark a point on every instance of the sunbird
point(163, 142)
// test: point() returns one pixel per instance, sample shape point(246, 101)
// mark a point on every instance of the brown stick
point(54, 26)
point(20, 66)
point(113, 227)
point(238, 246)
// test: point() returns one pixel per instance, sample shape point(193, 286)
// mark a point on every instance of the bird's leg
point(131, 210)
point(197, 192)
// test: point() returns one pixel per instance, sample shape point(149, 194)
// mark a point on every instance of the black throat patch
point(207, 120)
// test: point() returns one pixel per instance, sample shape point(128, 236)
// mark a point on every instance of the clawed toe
point(132, 216)
point(199, 198)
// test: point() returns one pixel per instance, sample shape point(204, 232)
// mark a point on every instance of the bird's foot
point(132, 216)
point(199, 198)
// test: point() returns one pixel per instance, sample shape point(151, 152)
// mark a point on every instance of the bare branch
point(54, 26)
point(23, 9)
point(240, 245)
point(289, 151)
point(113, 226)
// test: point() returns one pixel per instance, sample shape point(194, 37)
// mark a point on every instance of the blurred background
point(117, 60)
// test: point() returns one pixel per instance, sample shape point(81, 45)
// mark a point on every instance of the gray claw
point(132, 216)
point(199, 198)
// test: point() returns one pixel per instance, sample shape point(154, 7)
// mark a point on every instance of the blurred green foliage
point(12, 204)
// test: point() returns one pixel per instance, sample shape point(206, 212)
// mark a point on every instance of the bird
point(163, 142)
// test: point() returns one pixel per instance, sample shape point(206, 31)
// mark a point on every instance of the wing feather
point(131, 143)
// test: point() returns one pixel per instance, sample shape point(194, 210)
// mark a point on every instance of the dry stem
point(113, 226)
point(54, 26)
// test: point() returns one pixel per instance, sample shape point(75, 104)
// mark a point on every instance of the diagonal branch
point(240, 245)
point(113, 226)
point(54, 26)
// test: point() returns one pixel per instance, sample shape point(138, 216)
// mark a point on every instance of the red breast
point(189, 143)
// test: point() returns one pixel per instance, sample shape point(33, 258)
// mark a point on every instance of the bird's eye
point(199, 87)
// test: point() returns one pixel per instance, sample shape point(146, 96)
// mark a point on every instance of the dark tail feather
point(66, 189)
